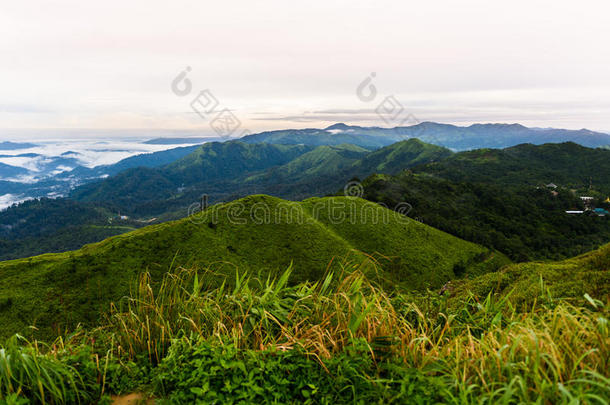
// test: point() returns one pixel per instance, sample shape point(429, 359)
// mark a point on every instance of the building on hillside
point(601, 212)
point(587, 201)
point(574, 212)
point(551, 185)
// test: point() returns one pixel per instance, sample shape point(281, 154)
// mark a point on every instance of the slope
point(232, 170)
point(140, 189)
point(259, 234)
point(566, 164)
point(526, 282)
point(524, 222)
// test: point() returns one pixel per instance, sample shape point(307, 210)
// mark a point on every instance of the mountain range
point(450, 136)
point(57, 175)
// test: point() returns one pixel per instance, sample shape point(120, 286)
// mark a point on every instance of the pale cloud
point(74, 64)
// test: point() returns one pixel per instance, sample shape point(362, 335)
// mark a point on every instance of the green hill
point(322, 162)
point(259, 234)
point(568, 279)
point(234, 169)
point(399, 156)
point(140, 189)
point(565, 164)
point(524, 222)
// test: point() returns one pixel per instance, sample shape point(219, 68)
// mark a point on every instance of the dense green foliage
point(567, 165)
point(258, 233)
point(225, 374)
point(524, 222)
point(55, 225)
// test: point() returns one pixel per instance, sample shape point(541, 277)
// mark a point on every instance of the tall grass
point(320, 317)
point(26, 372)
point(484, 349)
point(489, 351)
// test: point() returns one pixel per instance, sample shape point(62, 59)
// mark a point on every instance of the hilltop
point(259, 234)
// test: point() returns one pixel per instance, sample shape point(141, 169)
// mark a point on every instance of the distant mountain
point(450, 136)
point(181, 141)
point(60, 174)
point(8, 171)
point(399, 156)
point(154, 159)
point(16, 145)
point(216, 161)
point(320, 163)
point(261, 234)
point(326, 168)
point(334, 135)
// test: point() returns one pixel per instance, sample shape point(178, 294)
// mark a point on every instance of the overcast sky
point(280, 64)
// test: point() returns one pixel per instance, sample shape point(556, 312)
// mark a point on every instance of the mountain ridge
point(492, 135)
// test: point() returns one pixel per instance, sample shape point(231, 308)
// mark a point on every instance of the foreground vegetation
point(342, 339)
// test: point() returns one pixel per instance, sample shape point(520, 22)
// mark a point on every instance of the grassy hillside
point(568, 279)
point(341, 340)
point(259, 234)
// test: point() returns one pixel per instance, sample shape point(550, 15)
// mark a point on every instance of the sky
point(73, 65)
